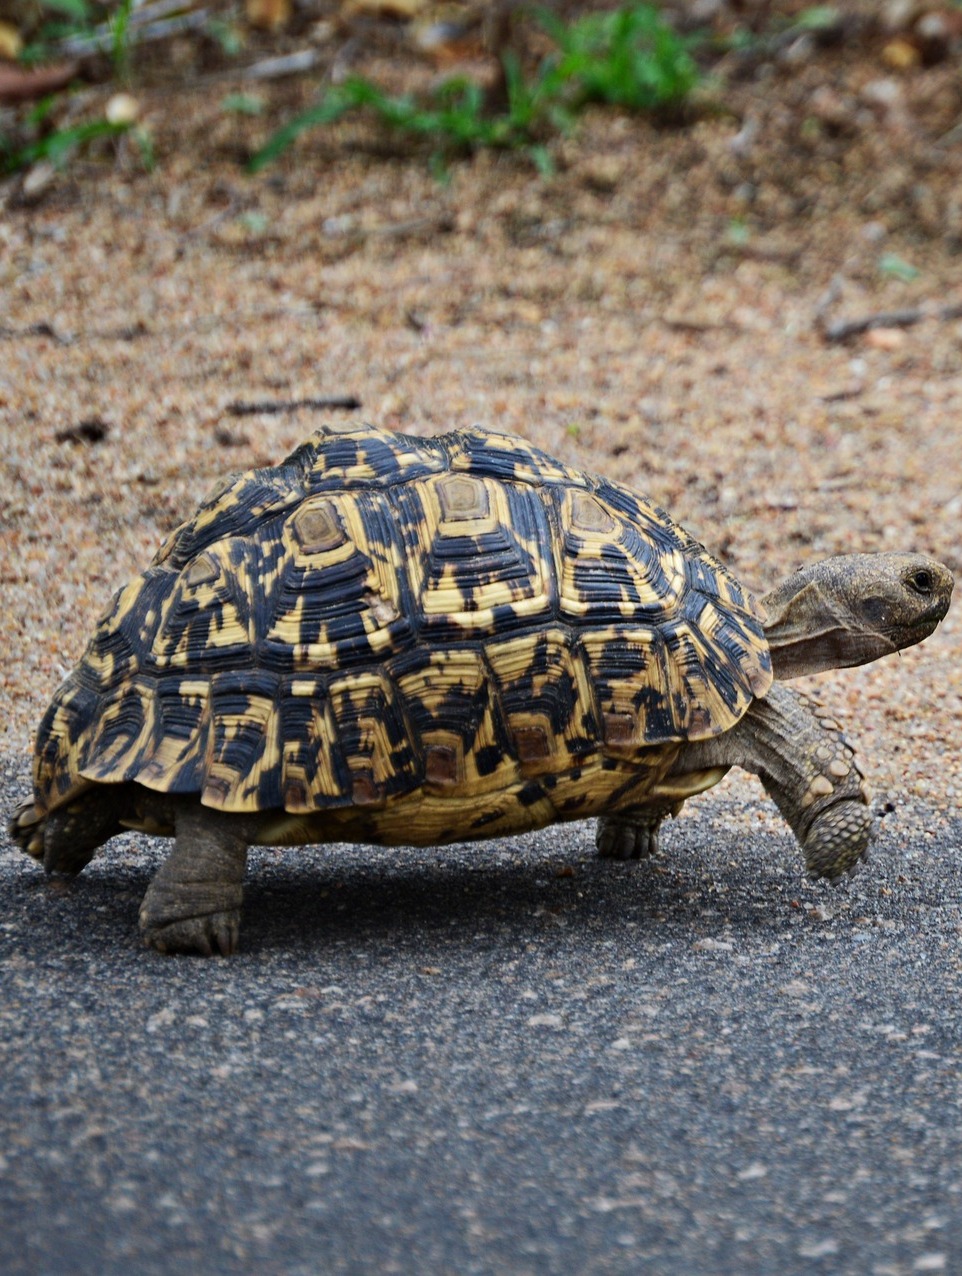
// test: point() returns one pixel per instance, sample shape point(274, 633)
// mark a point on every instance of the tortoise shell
point(408, 640)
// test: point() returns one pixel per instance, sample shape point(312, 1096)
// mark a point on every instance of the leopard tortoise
point(415, 641)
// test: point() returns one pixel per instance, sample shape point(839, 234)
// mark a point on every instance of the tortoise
point(406, 641)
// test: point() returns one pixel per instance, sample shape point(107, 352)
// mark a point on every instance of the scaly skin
point(193, 905)
point(806, 765)
point(633, 835)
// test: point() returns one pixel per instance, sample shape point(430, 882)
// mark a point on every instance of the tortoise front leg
point(193, 904)
point(808, 768)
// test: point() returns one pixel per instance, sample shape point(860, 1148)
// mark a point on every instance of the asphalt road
point(501, 1058)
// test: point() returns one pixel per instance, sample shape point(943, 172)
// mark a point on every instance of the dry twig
point(844, 329)
point(345, 403)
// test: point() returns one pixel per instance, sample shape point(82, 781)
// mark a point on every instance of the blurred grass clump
point(629, 58)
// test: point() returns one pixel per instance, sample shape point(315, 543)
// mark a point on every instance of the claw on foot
point(192, 917)
point(26, 829)
point(217, 933)
point(627, 839)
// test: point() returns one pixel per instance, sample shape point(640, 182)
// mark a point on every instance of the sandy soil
point(652, 312)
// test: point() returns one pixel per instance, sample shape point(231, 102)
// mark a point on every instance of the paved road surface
point(505, 1058)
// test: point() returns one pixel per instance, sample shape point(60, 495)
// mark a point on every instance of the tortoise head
point(852, 609)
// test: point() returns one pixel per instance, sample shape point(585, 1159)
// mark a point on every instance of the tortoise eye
point(921, 581)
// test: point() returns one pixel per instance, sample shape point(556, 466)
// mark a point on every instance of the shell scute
point(337, 597)
point(609, 568)
point(242, 758)
point(207, 621)
point(546, 699)
point(125, 630)
point(315, 772)
point(359, 455)
point(122, 735)
point(374, 735)
point(629, 672)
point(449, 699)
point(62, 740)
point(178, 757)
point(477, 559)
point(331, 459)
point(237, 507)
point(505, 457)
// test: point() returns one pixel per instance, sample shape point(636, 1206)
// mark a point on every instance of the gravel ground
point(509, 1057)
point(506, 1059)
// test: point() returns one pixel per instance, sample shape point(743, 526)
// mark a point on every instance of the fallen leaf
point(901, 55)
point(885, 338)
point(11, 45)
point(268, 15)
point(403, 9)
point(20, 85)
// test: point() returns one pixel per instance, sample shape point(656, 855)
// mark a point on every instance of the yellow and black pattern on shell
point(333, 459)
point(475, 554)
point(403, 640)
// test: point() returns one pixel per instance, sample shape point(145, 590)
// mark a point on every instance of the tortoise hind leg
point(193, 904)
point(26, 827)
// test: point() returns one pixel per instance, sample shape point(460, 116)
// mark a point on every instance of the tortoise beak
point(936, 613)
